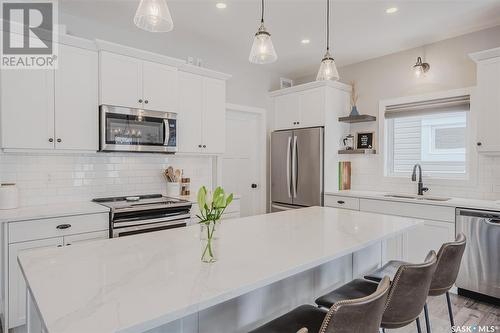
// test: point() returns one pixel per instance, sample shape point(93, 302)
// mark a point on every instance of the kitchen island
point(267, 263)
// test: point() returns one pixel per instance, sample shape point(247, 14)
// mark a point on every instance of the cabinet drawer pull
point(341, 202)
point(63, 226)
point(51, 140)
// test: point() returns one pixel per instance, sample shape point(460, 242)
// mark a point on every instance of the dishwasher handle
point(493, 222)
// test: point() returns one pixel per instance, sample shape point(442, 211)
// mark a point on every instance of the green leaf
point(202, 197)
point(229, 199)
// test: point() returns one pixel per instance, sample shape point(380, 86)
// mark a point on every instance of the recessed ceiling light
point(391, 10)
point(220, 5)
point(305, 41)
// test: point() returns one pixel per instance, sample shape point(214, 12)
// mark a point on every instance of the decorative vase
point(354, 111)
point(209, 241)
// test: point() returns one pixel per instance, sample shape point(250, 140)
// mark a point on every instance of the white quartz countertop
point(135, 283)
point(452, 202)
point(51, 210)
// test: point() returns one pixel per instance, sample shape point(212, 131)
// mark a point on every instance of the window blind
point(441, 105)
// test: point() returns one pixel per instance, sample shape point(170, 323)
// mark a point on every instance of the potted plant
point(212, 206)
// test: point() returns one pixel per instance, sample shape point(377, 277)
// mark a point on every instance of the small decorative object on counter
point(9, 196)
point(354, 101)
point(348, 142)
point(173, 181)
point(212, 206)
point(344, 175)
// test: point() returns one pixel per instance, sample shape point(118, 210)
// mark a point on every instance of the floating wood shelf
point(358, 119)
point(358, 151)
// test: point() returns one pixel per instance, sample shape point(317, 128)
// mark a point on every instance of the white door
point(76, 99)
point(189, 131)
point(286, 111)
point(17, 286)
point(159, 84)
point(214, 116)
point(121, 80)
point(27, 106)
point(243, 164)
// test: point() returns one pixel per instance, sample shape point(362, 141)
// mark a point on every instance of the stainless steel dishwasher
point(480, 270)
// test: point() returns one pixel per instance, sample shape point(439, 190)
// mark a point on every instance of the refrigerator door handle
point(294, 166)
point(288, 148)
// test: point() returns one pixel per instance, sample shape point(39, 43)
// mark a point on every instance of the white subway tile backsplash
point(54, 178)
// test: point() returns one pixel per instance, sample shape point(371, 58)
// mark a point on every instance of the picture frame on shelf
point(365, 140)
point(285, 83)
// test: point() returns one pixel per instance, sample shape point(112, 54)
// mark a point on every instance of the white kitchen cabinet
point(286, 111)
point(214, 117)
point(32, 234)
point(430, 235)
point(189, 134)
point(52, 109)
point(17, 286)
point(201, 118)
point(159, 83)
point(486, 105)
point(120, 80)
point(305, 108)
point(136, 83)
point(76, 99)
point(27, 107)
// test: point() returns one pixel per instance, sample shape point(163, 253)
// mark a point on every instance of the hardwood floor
point(466, 311)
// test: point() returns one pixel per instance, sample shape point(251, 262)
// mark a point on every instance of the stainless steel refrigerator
point(297, 168)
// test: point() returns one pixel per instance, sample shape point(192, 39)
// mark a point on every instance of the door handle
point(288, 148)
point(294, 167)
point(254, 185)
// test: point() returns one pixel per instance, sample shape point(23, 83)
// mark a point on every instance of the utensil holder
point(173, 189)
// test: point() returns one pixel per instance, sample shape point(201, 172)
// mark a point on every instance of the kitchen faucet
point(421, 188)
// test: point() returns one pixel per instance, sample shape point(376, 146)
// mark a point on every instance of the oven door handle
point(166, 132)
point(118, 224)
point(118, 231)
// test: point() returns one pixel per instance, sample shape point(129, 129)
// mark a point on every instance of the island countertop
point(136, 283)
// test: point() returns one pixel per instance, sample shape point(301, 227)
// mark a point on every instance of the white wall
point(56, 178)
point(391, 76)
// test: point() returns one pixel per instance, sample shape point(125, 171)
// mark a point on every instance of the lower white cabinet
point(17, 286)
point(430, 235)
point(29, 235)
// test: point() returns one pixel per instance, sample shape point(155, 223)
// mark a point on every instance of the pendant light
point(262, 51)
point(327, 69)
point(153, 16)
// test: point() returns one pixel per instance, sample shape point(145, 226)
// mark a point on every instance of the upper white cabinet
point(132, 82)
point(308, 105)
point(52, 109)
point(201, 118)
point(486, 103)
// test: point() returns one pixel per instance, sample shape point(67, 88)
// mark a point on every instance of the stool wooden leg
point(427, 320)
point(419, 329)
point(450, 311)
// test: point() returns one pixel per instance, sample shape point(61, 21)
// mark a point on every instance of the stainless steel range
point(145, 213)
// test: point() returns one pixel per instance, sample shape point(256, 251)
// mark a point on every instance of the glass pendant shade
point(262, 51)
point(153, 16)
point(327, 69)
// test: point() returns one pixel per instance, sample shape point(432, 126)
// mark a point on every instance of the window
point(431, 133)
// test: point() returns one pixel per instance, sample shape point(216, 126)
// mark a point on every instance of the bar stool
point(449, 258)
point(406, 297)
point(360, 315)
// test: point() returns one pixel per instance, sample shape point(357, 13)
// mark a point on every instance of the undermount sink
point(415, 197)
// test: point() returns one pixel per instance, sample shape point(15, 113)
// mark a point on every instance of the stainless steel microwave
point(136, 130)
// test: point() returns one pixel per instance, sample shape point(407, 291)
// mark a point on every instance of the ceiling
point(361, 30)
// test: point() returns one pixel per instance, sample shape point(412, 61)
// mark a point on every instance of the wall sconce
point(421, 67)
